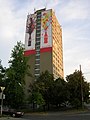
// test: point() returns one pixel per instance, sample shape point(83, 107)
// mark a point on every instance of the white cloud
point(73, 15)
point(11, 30)
point(75, 10)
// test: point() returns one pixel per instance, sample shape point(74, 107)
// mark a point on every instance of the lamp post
point(2, 89)
point(81, 87)
point(0, 61)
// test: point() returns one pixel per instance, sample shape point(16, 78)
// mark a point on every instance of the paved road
point(53, 116)
point(60, 116)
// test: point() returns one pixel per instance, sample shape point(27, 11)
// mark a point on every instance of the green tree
point(74, 88)
point(16, 72)
point(60, 92)
point(45, 86)
point(2, 75)
point(41, 89)
point(35, 97)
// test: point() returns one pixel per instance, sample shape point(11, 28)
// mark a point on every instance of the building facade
point(43, 44)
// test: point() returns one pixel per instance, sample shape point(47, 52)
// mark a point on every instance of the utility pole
point(81, 87)
point(0, 61)
point(2, 89)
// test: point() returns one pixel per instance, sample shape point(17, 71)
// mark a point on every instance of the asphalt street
point(60, 116)
point(52, 116)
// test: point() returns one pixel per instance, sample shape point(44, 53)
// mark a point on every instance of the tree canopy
point(74, 87)
point(16, 76)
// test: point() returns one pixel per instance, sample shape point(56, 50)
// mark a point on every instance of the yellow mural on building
point(46, 20)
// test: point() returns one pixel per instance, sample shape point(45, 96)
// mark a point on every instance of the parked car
point(12, 112)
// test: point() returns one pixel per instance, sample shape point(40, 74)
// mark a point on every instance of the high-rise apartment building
point(43, 44)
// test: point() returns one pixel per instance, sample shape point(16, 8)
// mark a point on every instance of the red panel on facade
point(29, 52)
point(49, 49)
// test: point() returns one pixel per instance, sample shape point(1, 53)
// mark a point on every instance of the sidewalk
point(9, 118)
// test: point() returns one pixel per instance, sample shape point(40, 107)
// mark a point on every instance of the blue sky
point(74, 17)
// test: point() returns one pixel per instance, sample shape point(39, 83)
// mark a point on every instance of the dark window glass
point(37, 62)
point(37, 57)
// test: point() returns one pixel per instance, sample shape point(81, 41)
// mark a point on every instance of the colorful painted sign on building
point(30, 32)
point(46, 20)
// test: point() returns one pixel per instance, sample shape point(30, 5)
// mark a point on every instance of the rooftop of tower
point(39, 10)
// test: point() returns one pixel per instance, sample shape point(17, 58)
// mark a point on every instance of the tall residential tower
point(43, 44)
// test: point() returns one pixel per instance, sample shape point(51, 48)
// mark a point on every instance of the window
point(38, 16)
point(37, 71)
point(37, 52)
point(37, 57)
point(37, 61)
point(36, 75)
point(36, 65)
point(38, 21)
point(38, 26)
point(38, 30)
point(37, 43)
point(37, 48)
point(37, 34)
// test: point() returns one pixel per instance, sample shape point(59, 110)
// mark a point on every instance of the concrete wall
point(46, 62)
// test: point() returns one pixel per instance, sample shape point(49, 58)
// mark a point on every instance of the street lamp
point(2, 89)
point(82, 99)
point(0, 61)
